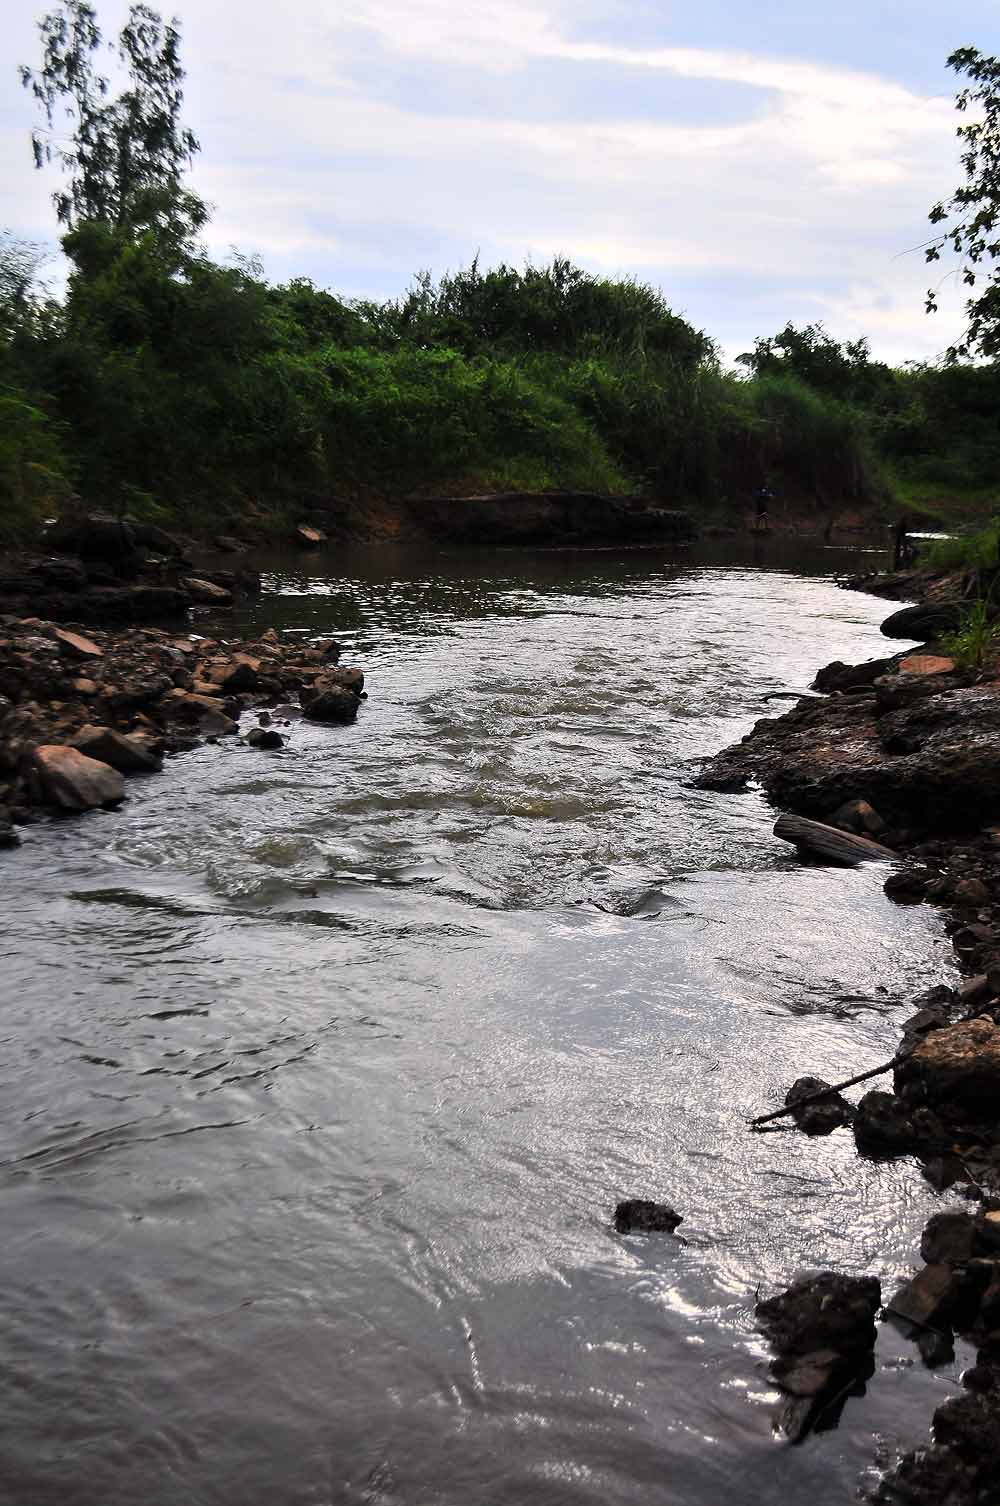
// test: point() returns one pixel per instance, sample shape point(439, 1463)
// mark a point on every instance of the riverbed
point(323, 1070)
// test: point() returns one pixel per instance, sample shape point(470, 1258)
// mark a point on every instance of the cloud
point(352, 138)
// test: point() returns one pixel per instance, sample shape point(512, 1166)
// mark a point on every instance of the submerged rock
point(822, 1115)
point(264, 737)
point(639, 1216)
point(333, 705)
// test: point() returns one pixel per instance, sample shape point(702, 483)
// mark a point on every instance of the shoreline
point(905, 751)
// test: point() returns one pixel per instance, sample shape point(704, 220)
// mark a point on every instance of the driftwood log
point(830, 842)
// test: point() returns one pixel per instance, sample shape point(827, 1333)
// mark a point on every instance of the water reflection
point(322, 1073)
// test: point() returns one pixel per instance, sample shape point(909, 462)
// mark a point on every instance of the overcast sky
point(759, 161)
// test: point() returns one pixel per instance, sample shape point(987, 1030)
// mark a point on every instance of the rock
point(822, 1116)
point(639, 1216)
point(926, 664)
point(135, 695)
point(824, 1311)
point(807, 1374)
point(936, 1347)
point(950, 1239)
point(334, 705)
point(838, 676)
point(970, 891)
point(883, 1125)
point(152, 536)
point(206, 591)
point(956, 1069)
point(217, 724)
point(8, 836)
point(264, 737)
point(85, 687)
point(69, 779)
point(924, 621)
point(331, 650)
point(129, 755)
point(98, 538)
point(907, 886)
point(929, 1299)
point(959, 1469)
point(859, 817)
point(73, 646)
point(243, 675)
point(310, 537)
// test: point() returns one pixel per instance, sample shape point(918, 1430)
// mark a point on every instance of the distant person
point(904, 553)
point(762, 499)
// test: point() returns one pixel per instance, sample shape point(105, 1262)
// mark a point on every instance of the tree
point(127, 153)
point(974, 208)
point(843, 371)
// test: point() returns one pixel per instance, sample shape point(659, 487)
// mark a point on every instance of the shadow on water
point(322, 1073)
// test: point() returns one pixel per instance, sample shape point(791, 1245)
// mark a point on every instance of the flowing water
point(321, 1071)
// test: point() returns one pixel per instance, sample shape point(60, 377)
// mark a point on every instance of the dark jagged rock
point(640, 1216)
point(908, 886)
point(264, 737)
point(838, 676)
point(925, 621)
point(823, 1331)
point(883, 1125)
point(822, 1116)
point(129, 755)
point(823, 753)
point(333, 705)
point(97, 537)
point(824, 1311)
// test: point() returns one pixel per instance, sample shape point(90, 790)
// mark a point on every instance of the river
point(322, 1071)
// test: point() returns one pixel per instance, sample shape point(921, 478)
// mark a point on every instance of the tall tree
point(971, 215)
point(127, 153)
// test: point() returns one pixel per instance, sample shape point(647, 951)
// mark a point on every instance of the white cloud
point(817, 187)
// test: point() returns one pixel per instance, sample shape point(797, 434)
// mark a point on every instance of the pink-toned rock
point(86, 687)
point(75, 646)
point(69, 779)
point(926, 664)
point(207, 591)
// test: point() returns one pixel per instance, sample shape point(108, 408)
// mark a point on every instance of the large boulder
point(97, 538)
point(69, 779)
point(955, 1071)
point(927, 620)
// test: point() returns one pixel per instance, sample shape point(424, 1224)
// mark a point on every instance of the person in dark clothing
point(762, 499)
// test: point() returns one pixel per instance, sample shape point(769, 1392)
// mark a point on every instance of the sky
point(760, 162)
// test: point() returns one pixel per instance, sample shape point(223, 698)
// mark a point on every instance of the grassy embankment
point(196, 394)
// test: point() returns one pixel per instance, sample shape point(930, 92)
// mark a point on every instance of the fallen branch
point(836, 1087)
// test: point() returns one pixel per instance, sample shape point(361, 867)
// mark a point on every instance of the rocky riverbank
point(906, 750)
point(83, 709)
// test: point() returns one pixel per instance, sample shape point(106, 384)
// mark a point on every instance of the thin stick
point(825, 1092)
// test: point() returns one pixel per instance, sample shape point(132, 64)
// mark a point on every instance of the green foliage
point(972, 212)
point(970, 551)
point(558, 309)
point(977, 634)
point(33, 472)
point(844, 372)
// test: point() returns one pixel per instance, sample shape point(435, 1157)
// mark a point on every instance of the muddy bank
point(905, 750)
point(82, 709)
